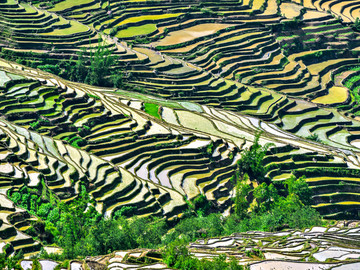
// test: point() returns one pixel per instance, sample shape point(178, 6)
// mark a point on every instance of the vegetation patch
point(136, 31)
point(152, 109)
point(235, 85)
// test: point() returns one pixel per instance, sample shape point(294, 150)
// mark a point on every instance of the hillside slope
point(198, 81)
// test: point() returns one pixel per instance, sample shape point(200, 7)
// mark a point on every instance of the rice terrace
point(178, 134)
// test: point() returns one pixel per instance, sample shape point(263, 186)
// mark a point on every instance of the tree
point(300, 188)
point(175, 254)
point(93, 67)
point(2, 260)
point(356, 25)
point(7, 262)
point(241, 201)
point(266, 196)
point(101, 62)
point(251, 161)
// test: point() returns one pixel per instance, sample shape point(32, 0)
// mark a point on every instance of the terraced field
point(199, 81)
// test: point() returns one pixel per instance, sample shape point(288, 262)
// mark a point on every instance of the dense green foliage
point(356, 25)
point(352, 83)
point(260, 205)
point(271, 212)
point(177, 256)
point(11, 262)
point(94, 67)
point(251, 161)
point(81, 231)
point(241, 202)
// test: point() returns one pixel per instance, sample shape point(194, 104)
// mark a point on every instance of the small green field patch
point(136, 31)
point(152, 109)
point(68, 4)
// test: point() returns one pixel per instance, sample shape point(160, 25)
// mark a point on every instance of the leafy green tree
point(266, 196)
point(44, 210)
point(2, 260)
point(16, 197)
point(300, 188)
point(150, 235)
point(101, 62)
point(194, 227)
point(175, 254)
point(7, 262)
point(201, 205)
point(54, 215)
point(117, 78)
point(356, 25)
point(103, 237)
point(251, 161)
point(54, 69)
point(218, 263)
point(93, 67)
point(36, 265)
point(241, 200)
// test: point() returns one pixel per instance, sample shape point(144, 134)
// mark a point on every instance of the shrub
point(314, 137)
